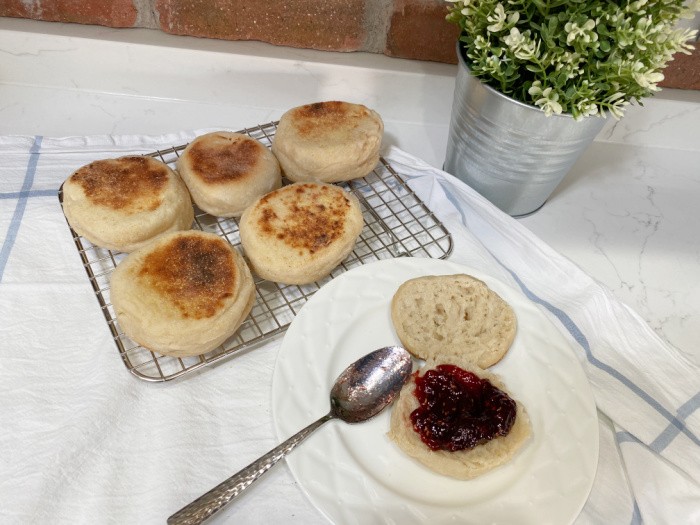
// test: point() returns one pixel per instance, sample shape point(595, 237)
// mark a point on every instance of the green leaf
point(561, 78)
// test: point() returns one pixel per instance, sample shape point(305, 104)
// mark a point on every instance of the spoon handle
point(210, 503)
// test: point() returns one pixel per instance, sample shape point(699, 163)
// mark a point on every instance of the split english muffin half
point(453, 316)
point(300, 232)
point(183, 294)
point(123, 203)
point(466, 463)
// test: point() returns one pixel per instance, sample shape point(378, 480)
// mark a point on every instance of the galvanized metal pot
point(510, 152)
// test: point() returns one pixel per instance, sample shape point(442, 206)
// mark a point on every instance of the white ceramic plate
point(354, 474)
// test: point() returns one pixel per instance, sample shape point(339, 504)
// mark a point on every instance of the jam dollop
point(459, 410)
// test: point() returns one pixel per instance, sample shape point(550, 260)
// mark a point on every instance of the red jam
point(458, 410)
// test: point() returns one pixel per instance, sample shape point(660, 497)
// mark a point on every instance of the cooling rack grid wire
point(397, 224)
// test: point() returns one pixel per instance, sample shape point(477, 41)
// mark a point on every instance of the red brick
point(17, 9)
point(116, 13)
point(419, 30)
point(683, 72)
point(330, 25)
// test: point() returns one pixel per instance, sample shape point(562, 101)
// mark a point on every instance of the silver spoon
point(363, 390)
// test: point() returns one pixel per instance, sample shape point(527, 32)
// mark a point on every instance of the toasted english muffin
point(300, 232)
point(123, 203)
point(183, 294)
point(328, 141)
point(461, 464)
point(453, 316)
point(225, 172)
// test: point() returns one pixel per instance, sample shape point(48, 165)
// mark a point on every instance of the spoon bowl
point(361, 392)
point(370, 384)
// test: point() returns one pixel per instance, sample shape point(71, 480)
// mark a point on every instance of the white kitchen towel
point(83, 441)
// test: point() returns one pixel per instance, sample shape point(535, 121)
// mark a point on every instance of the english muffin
point(453, 316)
point(225, 172)
point(183, 294)
point(328, 141)
point(123, 203)
point(300, 232)
point(443, 422)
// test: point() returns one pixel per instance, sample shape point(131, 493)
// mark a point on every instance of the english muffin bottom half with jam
point(328, 141)
point(183, 294)
point(299, 233)
point(458, 419)
point(225, 172)
point(123, 203)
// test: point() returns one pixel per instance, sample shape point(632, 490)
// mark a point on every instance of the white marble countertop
point(627, 214)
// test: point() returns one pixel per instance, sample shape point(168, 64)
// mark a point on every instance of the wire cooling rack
point(397, 224)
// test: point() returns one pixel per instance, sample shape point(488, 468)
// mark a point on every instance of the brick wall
point(414, 29)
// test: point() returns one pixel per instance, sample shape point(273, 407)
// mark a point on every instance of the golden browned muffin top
point(221, 158)
point(306, 216)
point(129, 184)
point(316, 119)
point(194, 274)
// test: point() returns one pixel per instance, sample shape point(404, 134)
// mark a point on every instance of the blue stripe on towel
point(636, 516)
point(665, 438)
point(625, 437)
point(581, 340)
point(674, 422)
point(30, 193)
point(23, 194)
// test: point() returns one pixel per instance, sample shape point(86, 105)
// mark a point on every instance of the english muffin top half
point(304, 217)
point(328, 142)
point(225, 172)
point(192, 276)
point(127, 184)
point(123, 203)
point(299, 233)
point(329, 120)
point(183, 294)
